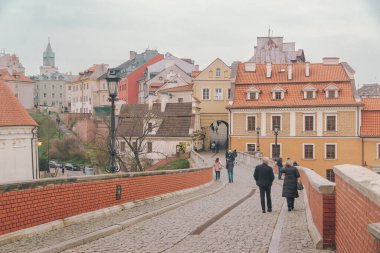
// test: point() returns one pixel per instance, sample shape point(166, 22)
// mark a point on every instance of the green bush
point(175, 165)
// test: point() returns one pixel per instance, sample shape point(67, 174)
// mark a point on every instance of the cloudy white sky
point(84, 32)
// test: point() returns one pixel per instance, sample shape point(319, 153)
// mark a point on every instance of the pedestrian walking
point(235, 154)
point(289, 189)
point(295, 163)
point(226, 155)
point(280, 167)
point(264, 177)
point(230, 167)
point(213, 146)
point(217, 169)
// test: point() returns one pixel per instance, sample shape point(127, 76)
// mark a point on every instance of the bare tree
point(135, 126)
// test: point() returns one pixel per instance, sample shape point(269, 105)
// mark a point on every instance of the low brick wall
point(321, 199)
point(357, 206)
point(27, 204)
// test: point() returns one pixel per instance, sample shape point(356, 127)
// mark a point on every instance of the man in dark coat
point(289, 189)
point(264, 177)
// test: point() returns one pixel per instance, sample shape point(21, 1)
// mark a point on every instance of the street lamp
point(112, 83)
point(258, 138)
point(276, 129)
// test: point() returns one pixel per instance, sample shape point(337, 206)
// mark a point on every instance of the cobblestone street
point(243, 229)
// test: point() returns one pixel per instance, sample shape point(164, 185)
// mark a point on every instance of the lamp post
point(258, 139)
point(112, 83)
point(276, 129)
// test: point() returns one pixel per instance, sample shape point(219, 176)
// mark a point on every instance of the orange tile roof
point(294, 96)
point(318, 73)
point(178, 89)
point(15, 76)
point(370, 124)
point(12, 113)
point(371, 103)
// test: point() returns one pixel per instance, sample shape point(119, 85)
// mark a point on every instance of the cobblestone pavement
point(244, 229)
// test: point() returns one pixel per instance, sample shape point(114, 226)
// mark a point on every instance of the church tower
point(48, 61)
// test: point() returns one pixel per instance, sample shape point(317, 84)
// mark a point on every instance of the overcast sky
point(85, 32)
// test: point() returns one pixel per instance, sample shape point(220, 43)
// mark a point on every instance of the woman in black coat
point(289, 190)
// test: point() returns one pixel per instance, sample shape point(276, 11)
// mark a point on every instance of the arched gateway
point(219, 134)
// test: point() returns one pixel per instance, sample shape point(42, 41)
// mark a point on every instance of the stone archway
point(219, 134)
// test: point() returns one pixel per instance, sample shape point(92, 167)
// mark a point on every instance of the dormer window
point(253, 94)
point(309, 92)
point(217, 72)
point(331, 91)
point(278, 93)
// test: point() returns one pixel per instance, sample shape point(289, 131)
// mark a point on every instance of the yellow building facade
point(213, 89)
point(313, 107)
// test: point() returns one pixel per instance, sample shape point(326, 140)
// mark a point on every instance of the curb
point(65, 245)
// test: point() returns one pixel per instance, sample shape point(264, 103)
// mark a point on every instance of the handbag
point(299, 186)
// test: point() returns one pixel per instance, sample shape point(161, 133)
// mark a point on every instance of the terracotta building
point(314, 106)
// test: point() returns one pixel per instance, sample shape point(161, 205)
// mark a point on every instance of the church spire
point(49, 56)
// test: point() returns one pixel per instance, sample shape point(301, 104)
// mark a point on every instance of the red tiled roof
point(294, 96)
point(16, 76)
point(318, 73)
point(370, 124)
point(12, 113)
point(179, 88)
point(371, 103)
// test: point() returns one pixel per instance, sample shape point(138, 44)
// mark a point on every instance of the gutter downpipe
point(229, 129)
point(32, 148)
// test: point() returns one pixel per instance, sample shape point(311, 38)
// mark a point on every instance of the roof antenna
point(269, 32)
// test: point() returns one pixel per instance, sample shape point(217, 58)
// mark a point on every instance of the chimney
point(164, 100)
point(250, 66)
point(307, 69)
point(269, 70)
point(290, 71)
point(197, 67)
point(132, 55)
point(330, 60)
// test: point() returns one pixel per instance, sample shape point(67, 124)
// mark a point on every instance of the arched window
point(217, 72)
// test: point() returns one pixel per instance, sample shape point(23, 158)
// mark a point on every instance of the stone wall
point(357, 206)
point(30, 203)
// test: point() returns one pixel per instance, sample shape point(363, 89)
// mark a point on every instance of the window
point(229, 94)
point(330, 151)
point(52, 95)
point(44, 95)
point(53, 86)
point(218, 94)
point(180, 100)
point(278, 95)
point(60, 87)
point(308, 151)
point(251, 147)
point(330, 175)
point(217, 72)
point(251, 123)
point(134, 145)
point(378, 151)
point(205, 94)
point(309, 94)
point(276, 121)
point(60, 95)
point(330, 123)
point(150, 147)
point(16, 95)
point(309, 122)
point(331, 94)
point(150, 127)
point(252, 96)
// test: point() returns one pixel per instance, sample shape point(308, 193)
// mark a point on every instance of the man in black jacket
point(264, 178)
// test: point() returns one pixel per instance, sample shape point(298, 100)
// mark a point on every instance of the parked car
point(76, 167)
point(89, 171)
point(69, 166)
point(52, 164)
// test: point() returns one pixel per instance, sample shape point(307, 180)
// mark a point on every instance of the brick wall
point(31, 203)
point(167, 160)
point(357, 206)
point(321, 199)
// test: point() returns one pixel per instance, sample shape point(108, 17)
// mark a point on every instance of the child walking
point(217, 168)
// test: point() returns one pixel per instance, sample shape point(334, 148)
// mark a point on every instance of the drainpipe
point(229, 130)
